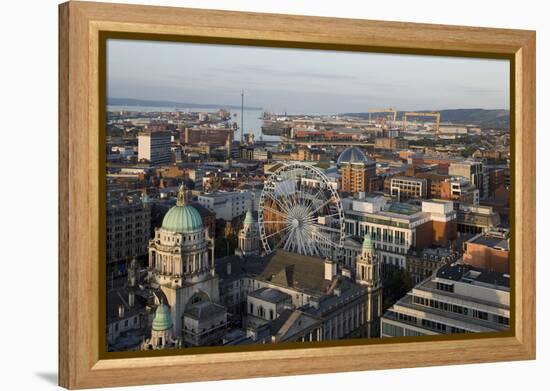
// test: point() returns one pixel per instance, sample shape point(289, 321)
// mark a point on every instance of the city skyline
point(230, 228)
point(300, 80)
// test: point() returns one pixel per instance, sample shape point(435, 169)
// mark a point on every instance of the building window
point(392, 330)
point(480, 315)
point(503, 320)
point(444, 287)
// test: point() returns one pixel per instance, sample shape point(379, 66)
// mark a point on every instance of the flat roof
point(409, 178)
point(403, 208)
point(469, 274)
point(437, 201)
point(495, 242)
point(270, 295)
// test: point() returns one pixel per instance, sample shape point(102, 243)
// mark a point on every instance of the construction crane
point(390, 110)
point(418, 114)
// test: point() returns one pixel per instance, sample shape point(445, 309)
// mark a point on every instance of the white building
point(395, 227)
point(155, 147)
point(458, 298)
point(228, 205)
point(473, 171)
point(315, 183)
point(196, 174)
point(408, 187)
point(266, 304)
point(463, 190)
point(125, 152)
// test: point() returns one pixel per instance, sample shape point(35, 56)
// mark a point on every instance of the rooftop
point(204, 310)
point(492, 241)
point(403, 208)
point(120, 297)
point(270, 295)
point(472, 275)
point(293, 270)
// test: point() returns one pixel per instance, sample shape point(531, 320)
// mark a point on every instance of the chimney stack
point(121, 311)
point(131, 299)
point(330, 269)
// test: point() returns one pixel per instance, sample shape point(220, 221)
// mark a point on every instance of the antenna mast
point(242, 116)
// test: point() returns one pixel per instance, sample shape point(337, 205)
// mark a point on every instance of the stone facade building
point(181, 263)
point(285, 296)
point(128, 227)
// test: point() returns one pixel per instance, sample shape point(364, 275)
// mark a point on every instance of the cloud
point(285, 73)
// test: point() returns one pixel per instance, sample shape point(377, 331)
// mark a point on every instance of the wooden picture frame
point(81, 364)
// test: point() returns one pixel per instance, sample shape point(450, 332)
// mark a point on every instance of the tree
point(224, 246)
point(396, 284)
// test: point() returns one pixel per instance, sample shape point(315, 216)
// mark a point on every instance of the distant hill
point(484, 118)
point(167, 103)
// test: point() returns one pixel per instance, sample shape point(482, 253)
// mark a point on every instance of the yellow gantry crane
point(418, 114)
point(390, 110)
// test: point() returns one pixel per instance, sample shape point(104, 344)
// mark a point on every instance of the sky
point(301, 80)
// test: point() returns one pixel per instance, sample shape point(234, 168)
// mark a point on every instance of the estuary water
point(252, 118)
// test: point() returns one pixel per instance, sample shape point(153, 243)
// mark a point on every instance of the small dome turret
point(367, 242)
point(162, 320)
point(249, 218)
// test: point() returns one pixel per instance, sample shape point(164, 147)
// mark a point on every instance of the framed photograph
point(248, 195)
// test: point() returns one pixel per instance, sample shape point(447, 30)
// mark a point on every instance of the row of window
point(441, 286)
point(119, 254)
point(121, 220)
point(457, 309)
point(118, 228)
point(389, 260)
point(130, 233)
point(380, 221)
point(382, 235)
point(430, 324)
point(128, 242)
point(261, 312)
point(397, 331)
point(440, 305)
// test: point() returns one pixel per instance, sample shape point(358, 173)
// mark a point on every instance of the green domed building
point(182, 218)
point(181, 263)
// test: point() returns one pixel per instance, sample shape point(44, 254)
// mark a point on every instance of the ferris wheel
point(300, 211)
